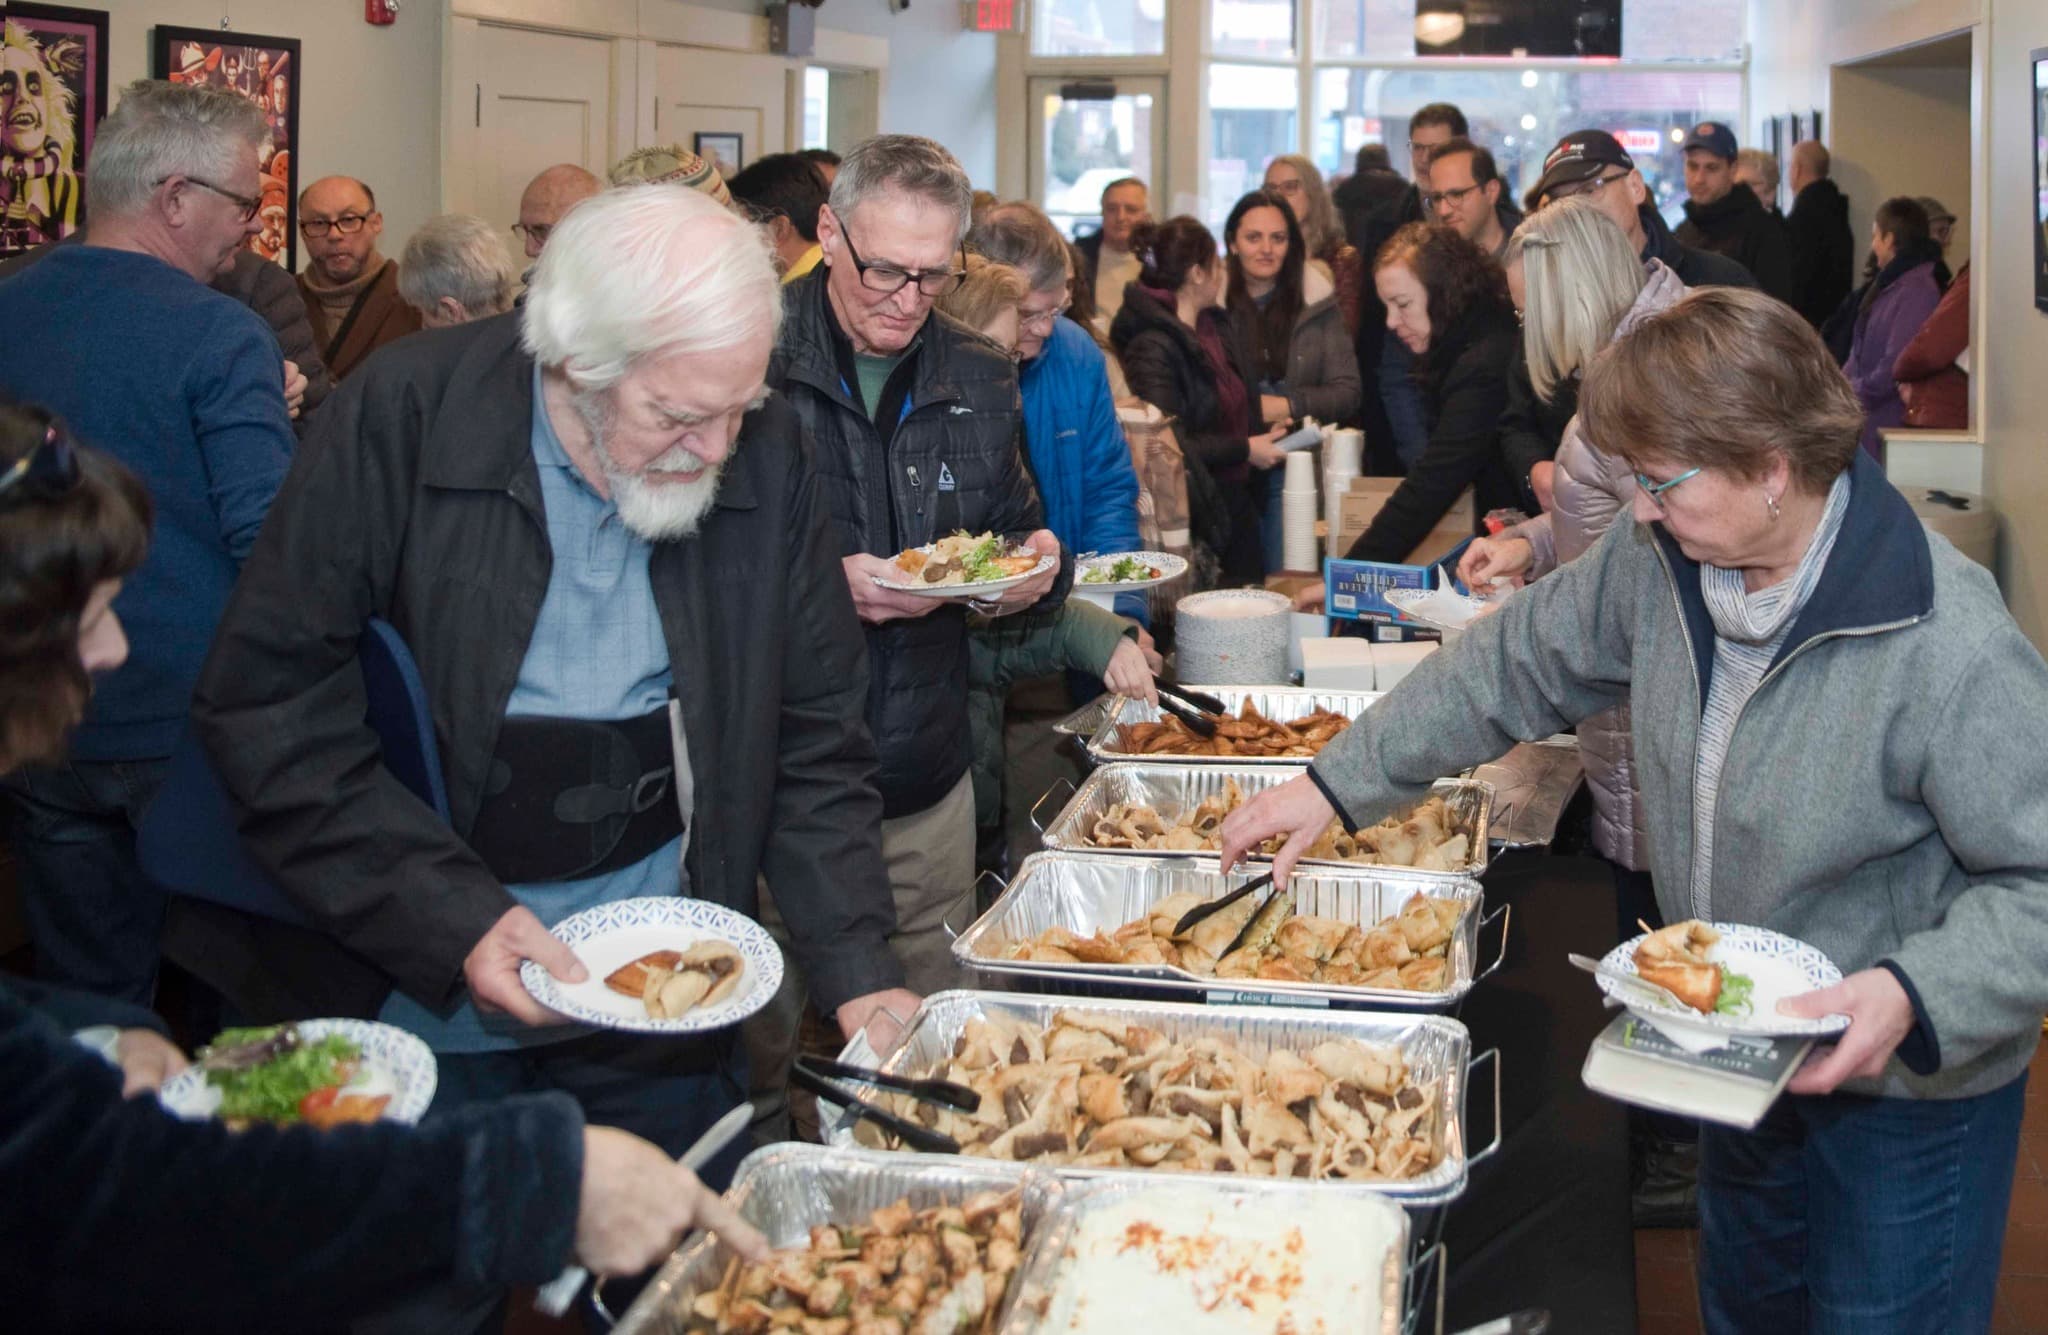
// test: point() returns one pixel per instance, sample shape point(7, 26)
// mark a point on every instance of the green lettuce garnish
point(272, 1090)
point(1736, 989)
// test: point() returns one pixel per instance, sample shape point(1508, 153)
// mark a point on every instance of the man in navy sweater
point(122, 338)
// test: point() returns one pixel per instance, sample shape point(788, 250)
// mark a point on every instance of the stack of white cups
point(1343, 458)
point(1298, 513)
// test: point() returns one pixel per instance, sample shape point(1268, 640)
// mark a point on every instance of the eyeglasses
point(1587, 188)
point(247, 205)
point(348, 224)
point(534, 232)
point(50, 469)
point(1655, 490)
point(1455, 196)
point(1042, 319)
point(890, 278)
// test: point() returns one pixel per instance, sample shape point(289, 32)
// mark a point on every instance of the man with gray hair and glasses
point(456, 268)
point(121, 338)
point(612, 556)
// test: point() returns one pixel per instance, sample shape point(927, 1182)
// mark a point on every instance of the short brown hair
point(1727, 378)
point(54, 551)
point(986, 291)
point(1460, 277)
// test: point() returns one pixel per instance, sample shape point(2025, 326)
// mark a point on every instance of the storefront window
point(1098, 27)
point(1089, 143)
point(1650, 29)
point(1251, 28)
point(1252, 120)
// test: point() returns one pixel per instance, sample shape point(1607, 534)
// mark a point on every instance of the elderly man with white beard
point(608, 548)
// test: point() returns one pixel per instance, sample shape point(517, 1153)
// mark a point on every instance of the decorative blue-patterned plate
point(394, 1062)
point(1779, 966)
point(1167, 564)
point(1446, 610)
point(610, 936)
point(917, 588)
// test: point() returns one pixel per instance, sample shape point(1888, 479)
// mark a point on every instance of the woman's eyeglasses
point(1655, 490)
point(50, 469)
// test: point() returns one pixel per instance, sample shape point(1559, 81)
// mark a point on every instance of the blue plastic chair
point(187, 841)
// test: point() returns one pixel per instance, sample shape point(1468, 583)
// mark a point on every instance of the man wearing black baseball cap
point(1725, 216)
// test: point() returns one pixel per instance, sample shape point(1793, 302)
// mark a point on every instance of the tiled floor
point(1667, 1283)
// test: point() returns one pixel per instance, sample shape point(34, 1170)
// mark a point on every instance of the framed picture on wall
point(266, 71)
point(1774, 136)
point(53, 89)
point(1799, 134)
point(2039, 221)
point(1816, 123)
point(720, 147)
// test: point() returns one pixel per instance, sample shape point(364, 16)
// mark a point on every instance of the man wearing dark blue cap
point(1726, 217)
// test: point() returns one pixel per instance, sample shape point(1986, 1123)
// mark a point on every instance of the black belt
point(569, 799)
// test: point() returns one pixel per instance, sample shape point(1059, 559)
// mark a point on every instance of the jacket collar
point(812, 347)
point(1658, 242)
point(486, 444)
point(1738, 202)
point(1880, 575)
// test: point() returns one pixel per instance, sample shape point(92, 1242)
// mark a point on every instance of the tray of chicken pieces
point(1264, 725)
point(865, 1241)
point(1356, 1102)
point(1178, 810)
point(1097, 923)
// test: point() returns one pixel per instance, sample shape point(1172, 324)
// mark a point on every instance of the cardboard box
point(1353, 592)
point(1368, 495)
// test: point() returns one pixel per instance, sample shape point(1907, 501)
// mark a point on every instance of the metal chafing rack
point(1282, 704)
point(1177, 788)
point(1086, 891)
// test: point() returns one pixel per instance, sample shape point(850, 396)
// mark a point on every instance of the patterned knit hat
point(671, 164)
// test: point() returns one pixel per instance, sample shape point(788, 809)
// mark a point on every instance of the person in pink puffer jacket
point(1580, 287)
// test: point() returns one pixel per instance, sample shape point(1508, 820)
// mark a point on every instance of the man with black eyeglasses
point(1465, 192)
point(918, 427)
point(122, 339)
point(351, 291)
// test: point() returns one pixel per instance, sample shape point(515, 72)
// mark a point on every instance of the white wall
point(940, 81)
point(369, 97)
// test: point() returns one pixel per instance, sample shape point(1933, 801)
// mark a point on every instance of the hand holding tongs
point(1216, 906)
point(815, 1074)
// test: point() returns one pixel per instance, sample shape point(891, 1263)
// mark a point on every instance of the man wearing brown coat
point(350, 291)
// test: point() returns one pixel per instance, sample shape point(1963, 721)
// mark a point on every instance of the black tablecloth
point(1545, 1221)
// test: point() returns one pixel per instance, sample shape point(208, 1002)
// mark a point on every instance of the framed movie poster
point(266, 71)
point(53, 91)
point(2039, 222)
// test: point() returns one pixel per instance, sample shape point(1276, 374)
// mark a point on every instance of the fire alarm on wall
point(380, 12)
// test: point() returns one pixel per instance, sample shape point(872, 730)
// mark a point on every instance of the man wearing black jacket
point(1724, 216)
point(1823, 247)
point(1593, 164)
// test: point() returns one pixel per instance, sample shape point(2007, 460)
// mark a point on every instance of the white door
point(738, 103)
point(1087, 131)
point(542, 98)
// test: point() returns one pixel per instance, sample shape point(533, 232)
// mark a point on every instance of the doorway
point(541, 98)
point(1087, 132)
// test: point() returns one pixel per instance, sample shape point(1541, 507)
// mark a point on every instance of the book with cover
point(1632, 1061)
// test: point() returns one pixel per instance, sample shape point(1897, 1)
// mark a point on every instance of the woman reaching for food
point(1838, 733)
point(190, 1225)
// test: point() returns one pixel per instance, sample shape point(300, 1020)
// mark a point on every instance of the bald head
point(338, 218)
point(547, 197)
point(1809, 164)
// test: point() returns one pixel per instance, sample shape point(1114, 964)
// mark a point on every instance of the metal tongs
point(1190, 707)
point(818, 1075)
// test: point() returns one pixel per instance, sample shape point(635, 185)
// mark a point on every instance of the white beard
point(657, 512)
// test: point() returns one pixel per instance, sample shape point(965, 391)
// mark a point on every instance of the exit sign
point(992, 15)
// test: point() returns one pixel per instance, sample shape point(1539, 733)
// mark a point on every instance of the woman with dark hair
point(1897, 302)
point(1447, 301)
point(1185, 355)
point(1300, 349)
point(266, 1228)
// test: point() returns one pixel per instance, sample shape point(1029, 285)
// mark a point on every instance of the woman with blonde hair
point(1296, 179)
point(989, 301)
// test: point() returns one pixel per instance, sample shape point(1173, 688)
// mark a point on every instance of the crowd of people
point(627, 509)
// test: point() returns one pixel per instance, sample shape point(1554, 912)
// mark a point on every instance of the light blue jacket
point(1078, 450)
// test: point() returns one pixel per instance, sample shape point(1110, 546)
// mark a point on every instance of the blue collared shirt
point(597, 652)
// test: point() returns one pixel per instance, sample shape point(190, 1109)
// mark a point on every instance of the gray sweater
point(1885, 795)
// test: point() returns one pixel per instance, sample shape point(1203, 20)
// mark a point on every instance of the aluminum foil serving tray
point(1175, 789)
point(1438, 1051)
point(1083, 892)
point(784, 1189)
point(1282, 704)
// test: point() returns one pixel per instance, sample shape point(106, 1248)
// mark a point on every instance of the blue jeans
point(1402, 399)
point(94, 918)
point(1848, 1213)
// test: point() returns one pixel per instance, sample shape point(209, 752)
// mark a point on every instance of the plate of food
point(319, 1073)
point(966, 565)
point(1123, 571)
point(661, 965)
point(1730, 977)
point(1441, 609)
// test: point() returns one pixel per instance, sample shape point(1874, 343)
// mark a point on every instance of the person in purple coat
point(1905, 292)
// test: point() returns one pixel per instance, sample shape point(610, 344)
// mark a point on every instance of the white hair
point(638, 270)
point(460, 256)
point(164, 129)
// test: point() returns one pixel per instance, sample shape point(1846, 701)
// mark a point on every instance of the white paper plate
point(1168, 565)
point(1780, 966)
point(1439, 609)
point(610, 936)
point(981, 590)
point(394, 1062)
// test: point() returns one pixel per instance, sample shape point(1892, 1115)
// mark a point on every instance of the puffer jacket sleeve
point(1154, 364)
point(275, 296)
point(1942, 338)
point(1110, 484)
point(1591, 490)
point(1014, 507)
point(1322, 372)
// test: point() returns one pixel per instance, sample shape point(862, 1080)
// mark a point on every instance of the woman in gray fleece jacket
point(1839, 735)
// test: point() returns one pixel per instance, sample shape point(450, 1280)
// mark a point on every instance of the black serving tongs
point(816, 1074)
point(1200, 724)
point(1194, 699)
point(1216, 906)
